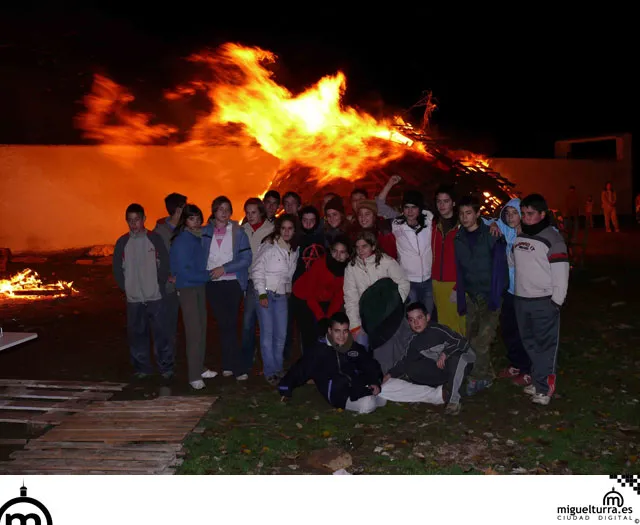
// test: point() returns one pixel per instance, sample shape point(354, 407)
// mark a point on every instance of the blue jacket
point(242, 256)
point(510, 235)
point(187, 262)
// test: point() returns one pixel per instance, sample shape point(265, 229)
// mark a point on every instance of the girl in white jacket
point(367, 266)
point(271, 274)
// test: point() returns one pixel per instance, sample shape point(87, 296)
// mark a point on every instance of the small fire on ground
point(28, 285)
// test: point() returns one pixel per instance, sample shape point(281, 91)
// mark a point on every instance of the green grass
point(591, 427)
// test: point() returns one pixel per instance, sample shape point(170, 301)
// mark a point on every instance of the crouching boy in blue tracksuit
point(344, 373)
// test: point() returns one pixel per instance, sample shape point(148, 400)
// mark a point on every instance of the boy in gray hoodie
point(141, 269)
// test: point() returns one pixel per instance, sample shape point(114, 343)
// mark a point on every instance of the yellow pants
point(448, 311)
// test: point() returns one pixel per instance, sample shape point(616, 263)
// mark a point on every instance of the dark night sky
point(501, 91)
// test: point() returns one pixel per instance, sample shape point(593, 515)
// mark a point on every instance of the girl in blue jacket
point(188, 266)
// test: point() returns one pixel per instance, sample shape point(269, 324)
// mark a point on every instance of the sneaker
point(509, 372)
point(522, 380)
point(475, 386)
point(529, 390)
point(209, 374)
point(198, 384)
point(227, 373)
point(242, 377)
point(453, 409)
point(141, 376)
point(540, 399)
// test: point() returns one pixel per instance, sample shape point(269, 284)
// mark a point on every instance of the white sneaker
point(198, 384)
point(227, 373)
point(209, 374)
point(242, 377)
point(540, 399)
point(530, 390)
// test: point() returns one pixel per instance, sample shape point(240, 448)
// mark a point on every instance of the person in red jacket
point(367, 219)
point(443, 269)
point(321, 289)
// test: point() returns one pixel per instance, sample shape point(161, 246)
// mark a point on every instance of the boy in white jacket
point(412, 231)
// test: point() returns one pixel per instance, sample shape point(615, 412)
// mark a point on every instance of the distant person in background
point(572, 212)
point(291, 202)
point(588, 211)
point(357, 195)
point(165, 227)
point(609, 200)
point(271, 204)
point(141, 269)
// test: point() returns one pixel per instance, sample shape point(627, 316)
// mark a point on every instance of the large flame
point(28, 285)
point(312, 129)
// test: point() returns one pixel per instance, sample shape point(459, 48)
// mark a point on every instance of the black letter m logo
point(24, 519)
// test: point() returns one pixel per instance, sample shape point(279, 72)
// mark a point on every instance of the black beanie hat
point(413, 197)
point(334, 204)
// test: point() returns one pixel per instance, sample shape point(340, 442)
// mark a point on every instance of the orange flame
point(313, 128)
point(109, 101)
point(28, 285)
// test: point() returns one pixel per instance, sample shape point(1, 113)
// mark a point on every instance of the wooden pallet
point(49, 402)
point(114, 437)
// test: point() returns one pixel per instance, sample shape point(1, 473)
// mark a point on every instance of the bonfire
point(28, 285)
point(322, 144)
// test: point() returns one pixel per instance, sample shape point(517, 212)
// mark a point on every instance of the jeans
point(422, 293)
point(141, 317)
point(249, 320)
point(273, 332)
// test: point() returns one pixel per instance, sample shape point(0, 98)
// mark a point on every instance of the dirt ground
point(83, 337)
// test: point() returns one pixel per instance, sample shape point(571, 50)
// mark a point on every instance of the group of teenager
point(360, 292)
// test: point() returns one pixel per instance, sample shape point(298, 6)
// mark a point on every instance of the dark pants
point(194, 318)
point(171, 312)
point(306, 323)
point(224, 298)
point(516, 353)
point(140, 318)
point(249, 323)
point(539, 324)
point(456, 368)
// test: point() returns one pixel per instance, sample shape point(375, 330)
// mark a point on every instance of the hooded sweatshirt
point(510, 235)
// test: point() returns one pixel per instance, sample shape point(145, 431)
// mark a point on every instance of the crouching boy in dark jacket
point(344, 373)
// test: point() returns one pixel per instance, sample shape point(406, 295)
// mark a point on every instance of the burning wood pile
point(322, 144)
point(28, 285)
